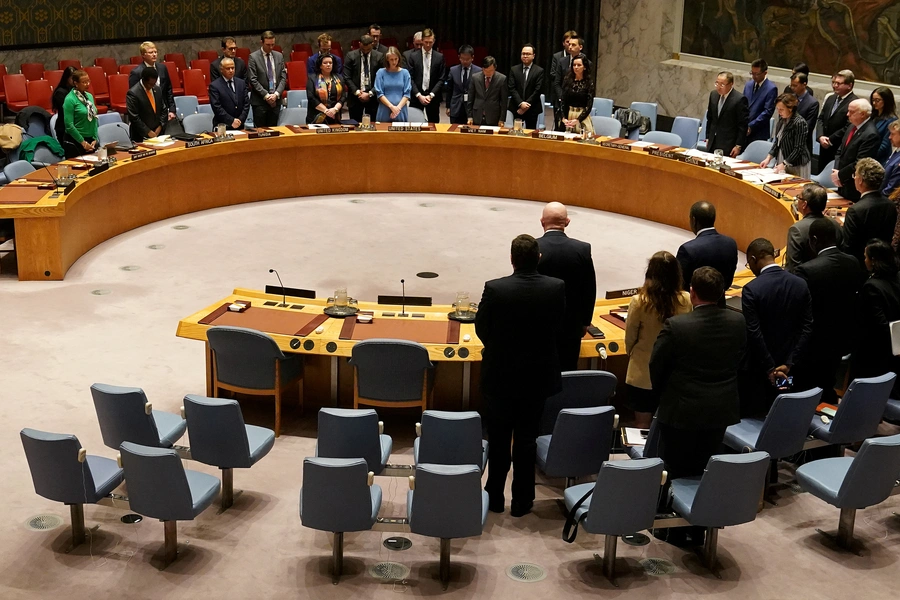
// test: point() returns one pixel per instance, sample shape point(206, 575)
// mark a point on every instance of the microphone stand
point(403, 305)
point(283, 295)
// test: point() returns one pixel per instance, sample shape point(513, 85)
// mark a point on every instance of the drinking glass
point(340, 298)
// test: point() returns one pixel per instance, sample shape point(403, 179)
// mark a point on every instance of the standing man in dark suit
point(811, 206)
point(832, 123)
point(146, 107)
point(521, 311)
point(778, 312)
point(359, 73)
point(526, 82)
point(727, 117)
point(834, 279)
point(229, 50)
point(377, 46)
point(268, 78)
point(456, 85)
point(709, 249)
point(324, 43)
point(229, 97)
point(760, 93)
point(873, 216)
point(861, 140)
point(150, 55)
point(807, 105)
point(570, 260)
point(488, 96)
point(417, 47)
point(557, 74)
point(427, 70)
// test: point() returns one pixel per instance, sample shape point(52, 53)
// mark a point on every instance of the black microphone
point(283, 295)
point(403, 306)
point(55, 180)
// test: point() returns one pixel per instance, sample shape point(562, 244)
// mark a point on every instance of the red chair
point(178, 59)
point(69, 63)
point(136, 60)
point(338, 52)
point(209, 55)
point(336, 44)
point(451, 58)
point(175, 78)
point(278, 48)
point(16, 91)
point(39, 94)
point(126, 69)
point(109, 65)
point(2, 87)
point(53, 77)
point(303, 48)
point(32, 71)
point(99, 85)
point(118, 88)
point(296, 72)
point(243, 54)
point(389, 41)
point(300, 56)
point(195, 85)
point(203, 66)
point(354, 45)
point(480, 53)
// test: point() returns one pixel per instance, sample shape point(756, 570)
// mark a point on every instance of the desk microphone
point(283, 295)
point(55, 180)
point(403, 300)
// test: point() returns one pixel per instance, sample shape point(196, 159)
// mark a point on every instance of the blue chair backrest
point(297, 99)
point(348, 433)
point(185, 105)
point(510, 120)
point(861, 409)
point(122, 416)
point(53, 121)
point(390, 369)
point(217, 430)
point(541, 123)
point(447, 502)
point(19, 168)
point(43, 155)
point(662, 137)
point(157, 485)
point(292, 115)
point(582, 439)
point(647, 109)
point(607, 126)
point(335, 495)
point(602, 107)
point(871, 477)
point(824, 178)
point(114, 132)
point(580, 389)
point(730, 489)
point(787, 425)
point(756, 152)
point(198, 123)
point(687, 128)
point(244, 357)
point(703, 137)
point(625, 496)
point(415, 115)
point(204, 109)
point(55, 471)
point(451, 438)
point(110, 117)
point(651, 445)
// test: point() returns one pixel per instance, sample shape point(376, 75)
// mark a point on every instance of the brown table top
point(424, 332)
point(263, 319)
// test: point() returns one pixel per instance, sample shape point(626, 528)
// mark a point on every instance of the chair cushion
point(106, 473)
point(892, 410)
point(204, 489)
point(820, 430)
point(823, 478)
point(387, 444)
point(416, 451)
point(572, 495)
point(375, 491)
point(683, 491)
point(543, 450)
point(484, 454)
point(171, 428)
point(744, 434)
point(259, 440)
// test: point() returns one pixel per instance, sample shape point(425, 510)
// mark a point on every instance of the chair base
point(844, 536)
point(76, 511)
point(337, 558)
point(171, 542)
point(609, 558)
point(445, 562)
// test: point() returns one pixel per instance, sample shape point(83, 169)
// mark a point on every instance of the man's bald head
point(555, 216)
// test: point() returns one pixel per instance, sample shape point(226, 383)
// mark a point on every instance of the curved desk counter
point(52, 234)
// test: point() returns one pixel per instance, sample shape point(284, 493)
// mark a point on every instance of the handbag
point(570, 529)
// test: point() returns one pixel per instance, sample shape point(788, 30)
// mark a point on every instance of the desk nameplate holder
point(771, 191)
point(143, 154)
point(406, 128)
point(663, 154)
point(615, 145)
point(478, 130)
point(731, 173)
point(626, 293)
point(334, 130)
point(263, 134)
point(200, 142)
point(548, 135)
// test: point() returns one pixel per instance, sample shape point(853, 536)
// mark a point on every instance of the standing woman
point(80, 115)
point(393, 87)
point(59, 97)
point(790, 151)
point(578, 97)
point(661, 297)
point(326, 92)
point(884, 112)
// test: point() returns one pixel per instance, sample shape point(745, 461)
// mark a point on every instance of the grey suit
point(798, 250)
point(263, 114)
point(487, 106)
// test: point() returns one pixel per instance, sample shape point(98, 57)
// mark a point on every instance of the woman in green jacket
point(80, 115)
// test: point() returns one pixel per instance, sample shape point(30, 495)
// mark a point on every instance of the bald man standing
point(570, 260)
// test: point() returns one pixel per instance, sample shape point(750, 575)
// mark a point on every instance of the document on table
point(764, 175)
point(634, 437)
point(318, 126)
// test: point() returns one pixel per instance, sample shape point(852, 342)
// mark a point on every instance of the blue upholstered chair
point(687, 128)
point(541, 121)
point(348, 433)
point(581, 441)
point(338, 495)
point(650, 449)
point(415, 115)
point(110, 117)
point(204, 109)
point(624, 502)
point(17, 169)
point(389, 372)
point(293, 115)
point(756, 152)
point(892, 411)
point(296, 99)
point(702, 138)
point(450, 438)
point(62, 471)
point(43, 155)
point(220, 438)
point(446, 502)
point(125, 415)
point(859, 412)
point(647, 109)
point(161, 488)
point(198, 123)
point(580, 389)
point(606, 126)
point(662, 137)
point(853, 483)
point(824, 177)
point(602, 107)
point(186, 105)
point(114, 132)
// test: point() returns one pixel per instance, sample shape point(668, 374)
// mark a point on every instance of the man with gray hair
point(832, 123)
point(862, 140)
point(417, 46)
point(873, 216)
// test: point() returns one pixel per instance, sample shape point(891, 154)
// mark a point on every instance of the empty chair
point(199, 123)
point(99, 85)
point(623, 502)
point(127, 69)
point(174, 78)
point(16, 89)
point(340, 496)
point(297, 76)
point(62, 64)
point(415, 115)
point(892, 410)
point(135, 60)
point(292, 116)
point(302, 47)
point(580, 389)
point(62, 471)
point(53, 78)
point(118, 88)
point(108, 64)
point(32, 71)
point(203, 65)
point(3, 73)
point(650, 449)
point(541, 124)
point(195, 85)
point(205, 109)
point(250, 362)
point(297, 99)
point(450, 438)
point(859, 412)
point(107, 118)
point(43, 155)
point(53, 121)
point(663, 137)
point(756, 152)
point(114, 132)
point(299, 56)
point(220, 438)
point(647, 109)
point(853, 483)
point(161, 488)
point(510, 120)
point(348, 433)
point(209, 55)
point(446, 502)
point(125, 415)
point(581, 441)
point(602, 107)
point(185, 105)
point(244, 54)
point(702, 138)
point(390, 373)
point(178, 59)
point(17, 169)
point(687, 128)
point(824, 178)
point(607, 126)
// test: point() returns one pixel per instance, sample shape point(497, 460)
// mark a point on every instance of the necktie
point(721, 104)
point(270, 71)
point(487, 83)
point(465, 80)
point(850, 136)
point(151, 97)
point(834, 107)
point(526, 74)
point(366, 66)
point(426, 75)
point(755, 89)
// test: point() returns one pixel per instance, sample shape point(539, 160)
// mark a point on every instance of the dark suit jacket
point(834, 279)
point(865, 143)
point(227, 106)
point(570, 260)
point(808, 108)
point(487, 106)
point(778, 311)
point(694, 368)
point(729, 129)
point(798, 250)
point(708, 249)
point(417, 70)
point(879, 305)
point(240, 69)
point(891, 174)
point(834, 126)
point(141, 116)
point(762, 107)
point(353, 74)
point(519, 321)
point(454, 88)
point(556, 77)
point(873, 216)
point(529, 92)
point(259, 78)
point(163, 83)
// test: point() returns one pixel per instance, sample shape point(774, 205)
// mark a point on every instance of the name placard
point(771, 191)
point(693, 160)
point(334, 130)
point(143, 154)
point(263, 134)
point(626, 293)
point(476, 130)
point(616, 145)
point(731, 173)
point(547, 135)
point(199, 142)
point(405, 128)
point(663, 154)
